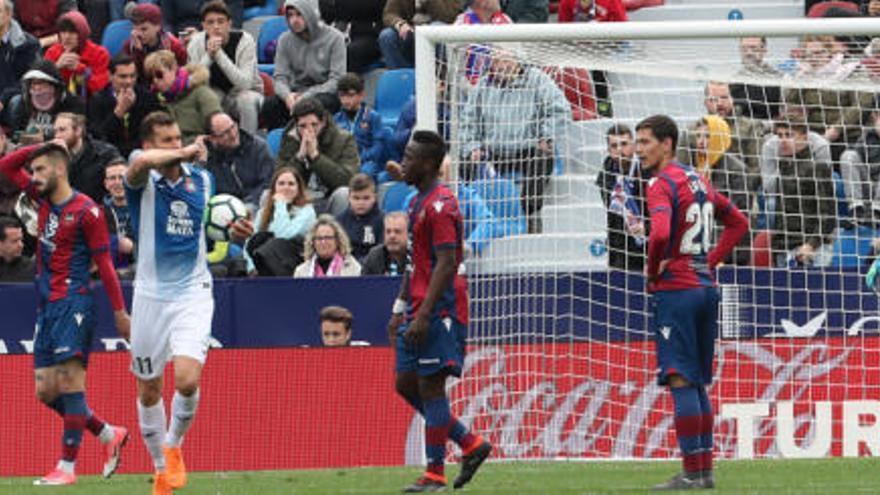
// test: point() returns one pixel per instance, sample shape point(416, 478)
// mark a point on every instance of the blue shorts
point(442, 350)
point(64, 331)
point(685, 326)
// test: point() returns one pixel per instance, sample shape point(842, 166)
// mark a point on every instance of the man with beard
point(73, 236)
point(88, 157)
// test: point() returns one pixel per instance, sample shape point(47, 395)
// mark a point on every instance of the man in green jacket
point(325, 156)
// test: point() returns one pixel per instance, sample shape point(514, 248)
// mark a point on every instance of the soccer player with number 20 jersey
point(681, 261)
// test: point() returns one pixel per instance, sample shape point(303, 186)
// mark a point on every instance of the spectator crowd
point(329, 199)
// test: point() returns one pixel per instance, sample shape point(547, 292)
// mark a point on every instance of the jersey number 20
point(701, 218)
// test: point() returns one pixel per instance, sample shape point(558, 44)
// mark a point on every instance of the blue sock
point(707, 440)
point(437, 419)
point(75, 415)
point(458, 432)
point(688, 426)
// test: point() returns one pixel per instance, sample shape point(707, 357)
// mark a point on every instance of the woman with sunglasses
point(183, 91)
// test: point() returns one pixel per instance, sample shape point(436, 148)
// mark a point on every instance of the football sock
point(152, 423)
point(183, 410)
point(458, 432)
point(437, 418)
point(688, 427)
point(707, 442)
point(75, 412)
point(99, 428)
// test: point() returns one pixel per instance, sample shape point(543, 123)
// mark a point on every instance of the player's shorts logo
point(665, 331)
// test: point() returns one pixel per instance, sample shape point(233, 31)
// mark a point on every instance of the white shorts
point(161, 329)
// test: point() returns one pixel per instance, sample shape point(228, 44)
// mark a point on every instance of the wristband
point(399, 307)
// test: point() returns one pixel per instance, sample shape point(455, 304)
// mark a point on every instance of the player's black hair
point(8, 222)
point(119, 59)
point(662, 127)
point(350, 82)
point(52, 150)
point(432, 147)
point(154, 120)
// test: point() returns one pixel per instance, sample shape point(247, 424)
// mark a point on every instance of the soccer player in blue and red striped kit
point(73, 235)
point(681, 261)
point(429, 320)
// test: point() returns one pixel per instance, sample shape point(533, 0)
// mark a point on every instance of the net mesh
point(562, 361)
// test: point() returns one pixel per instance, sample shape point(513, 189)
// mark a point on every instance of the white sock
point(183, 410)
point(108, 433)
point(66, 466)
point(152, 423)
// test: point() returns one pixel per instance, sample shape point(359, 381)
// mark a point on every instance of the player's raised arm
point(660, 209)
point(12, 166)
point(138, 171)
point(736, 225)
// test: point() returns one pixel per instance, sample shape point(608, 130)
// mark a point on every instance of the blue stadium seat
point(840, 196)
point(852, 248)
point(394, 89)
point(269, 8)
point(274, 141)
point(503, 199)
point(270, 31)
point(115, 35)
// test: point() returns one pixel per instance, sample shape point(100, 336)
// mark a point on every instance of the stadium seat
point(820, 9)
point(852, 247)
point(395, 195)
point(268, 8)
point(840, 196)
point(115, 35)
point(577, 86)
point(274, 141)
point(762, 255)
point(270, 31)
point(394, 89)
point(503, 200)
point(268, 85)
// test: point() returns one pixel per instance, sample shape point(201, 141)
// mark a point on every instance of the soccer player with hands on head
point(72, 236)
point(680, 274)
point(429, 319)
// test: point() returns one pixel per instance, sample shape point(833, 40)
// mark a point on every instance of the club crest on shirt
point(68, 218)
point(189, 185)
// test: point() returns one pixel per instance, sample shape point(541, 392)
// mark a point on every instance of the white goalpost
point(561, 361)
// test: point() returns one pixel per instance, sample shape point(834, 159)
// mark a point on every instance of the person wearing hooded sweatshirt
point(183, 91)
point(43, 97)
point(724, 170)
point(18, 50)
point(39, 17)
point(309, 60)
point(83, 64)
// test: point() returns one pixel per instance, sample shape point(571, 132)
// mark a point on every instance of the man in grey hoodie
point(309, 60)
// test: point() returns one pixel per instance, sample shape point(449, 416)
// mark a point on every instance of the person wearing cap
point(43, 97)
point(231, 57)
point(309, 60)
point(83, 64)
point(148, 36)
point(18, 50)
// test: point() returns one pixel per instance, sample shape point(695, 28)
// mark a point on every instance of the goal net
point(780, 116)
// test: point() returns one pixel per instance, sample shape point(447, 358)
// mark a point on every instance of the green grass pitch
point(826, 476)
